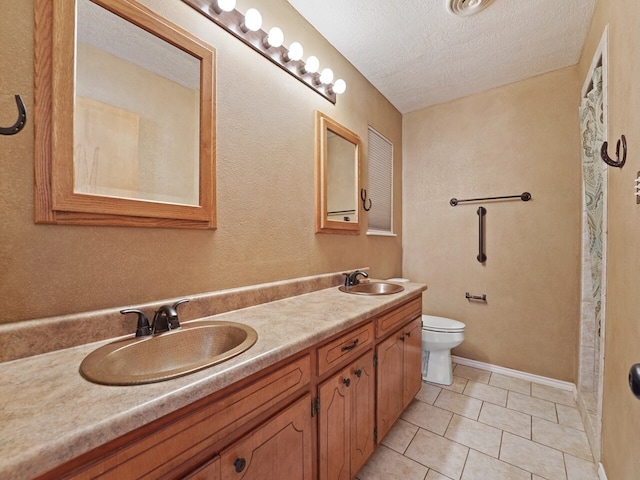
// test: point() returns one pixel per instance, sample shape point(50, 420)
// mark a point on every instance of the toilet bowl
point(439, 336)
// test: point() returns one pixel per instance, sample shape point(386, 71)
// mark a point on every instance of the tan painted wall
point(621, 411)
point(521, 137)
point(265, 157)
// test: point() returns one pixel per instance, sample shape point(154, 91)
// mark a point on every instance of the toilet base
point(436, 367)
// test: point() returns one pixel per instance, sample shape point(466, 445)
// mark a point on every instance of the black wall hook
point(617, 162)
point(363, 197)
point(22, 119)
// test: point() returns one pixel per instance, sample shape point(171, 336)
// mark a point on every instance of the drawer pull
point(346, 348)
point(240, 463)
point(358, 373)
point(346, 381)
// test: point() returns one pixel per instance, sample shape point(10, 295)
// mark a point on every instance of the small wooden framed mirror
point(124, 118)
point(337, 177)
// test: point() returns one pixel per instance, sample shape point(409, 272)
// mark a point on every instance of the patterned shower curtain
point(592, 132)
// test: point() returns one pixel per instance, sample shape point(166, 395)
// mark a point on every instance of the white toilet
point(439, 336)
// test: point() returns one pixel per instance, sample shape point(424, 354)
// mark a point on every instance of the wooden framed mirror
point(124, 118)
point(337, 177)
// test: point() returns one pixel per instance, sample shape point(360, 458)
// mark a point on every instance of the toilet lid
point(441, 324)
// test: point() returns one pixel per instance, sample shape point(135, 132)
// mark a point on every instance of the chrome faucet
point(166, 318)
point(352, 278)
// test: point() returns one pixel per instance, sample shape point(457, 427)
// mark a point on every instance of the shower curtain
point(592, 133)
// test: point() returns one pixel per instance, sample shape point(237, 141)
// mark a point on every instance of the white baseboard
point(601, 474)
point(550, 382)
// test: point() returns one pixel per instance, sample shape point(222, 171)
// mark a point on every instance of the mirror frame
point(323, 124)
point(55, 200)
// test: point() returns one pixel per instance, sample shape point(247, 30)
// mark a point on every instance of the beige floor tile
point(460, 404)
point(433, 475)
point(471, 373)
point(533, 457)
point(428, 417)
point(483, 467)
point(386, 464)
point(457, 386)
point(567, 439)
point(556, 395)
point(510, 383)
point(505, 419)
point(579, 469)
point(475, 435)
point(486, 392)
point(569, 417)
point(442, 455)
point(532, 406)
point(428, 393)
point(400, 435)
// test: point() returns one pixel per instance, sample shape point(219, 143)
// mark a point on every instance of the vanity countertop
point(51, 414)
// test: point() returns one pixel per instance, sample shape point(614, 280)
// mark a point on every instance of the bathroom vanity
point(329, 375)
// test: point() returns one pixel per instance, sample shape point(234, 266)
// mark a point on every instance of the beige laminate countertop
point(50, 414)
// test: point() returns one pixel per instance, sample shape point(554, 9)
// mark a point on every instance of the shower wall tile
point(586, 378)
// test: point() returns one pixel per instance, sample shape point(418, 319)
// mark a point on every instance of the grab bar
point(481, 256)
point(525, 197)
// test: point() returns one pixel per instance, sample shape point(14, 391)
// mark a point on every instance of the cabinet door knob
point(401, 338)
point(346, 381)
point(408, 334)
point(240, 463)
point(358, 373)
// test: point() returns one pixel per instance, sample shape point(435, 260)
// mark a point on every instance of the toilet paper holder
point(481, 298)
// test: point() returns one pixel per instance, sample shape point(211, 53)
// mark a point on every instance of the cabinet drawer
point(389, 321)
point(190, 435)
point(344, 348)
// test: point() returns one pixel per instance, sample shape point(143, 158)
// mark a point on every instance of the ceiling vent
point(464, 8)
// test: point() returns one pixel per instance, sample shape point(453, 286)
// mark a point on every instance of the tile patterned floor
point(486, 426)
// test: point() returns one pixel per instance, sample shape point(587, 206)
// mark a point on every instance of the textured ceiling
point(417, 54)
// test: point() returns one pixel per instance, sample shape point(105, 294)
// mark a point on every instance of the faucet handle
point(143, 329)
point(180, 302)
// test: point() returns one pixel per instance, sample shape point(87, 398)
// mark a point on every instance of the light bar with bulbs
point(248, 29)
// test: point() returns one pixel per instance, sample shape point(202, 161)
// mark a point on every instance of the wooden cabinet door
point(209, 471)
point(334, 419)
point(390, 382)
point(363, 411)
point(412, 368)
point(281, 448)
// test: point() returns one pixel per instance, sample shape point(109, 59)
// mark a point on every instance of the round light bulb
point(253, 20)
point(312, 64)
point(227, 5)
point(295, 51)
point(326, 76)
point(275, 37)
point(339, 86)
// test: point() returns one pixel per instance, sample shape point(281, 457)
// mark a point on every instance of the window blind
point(380, 188)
